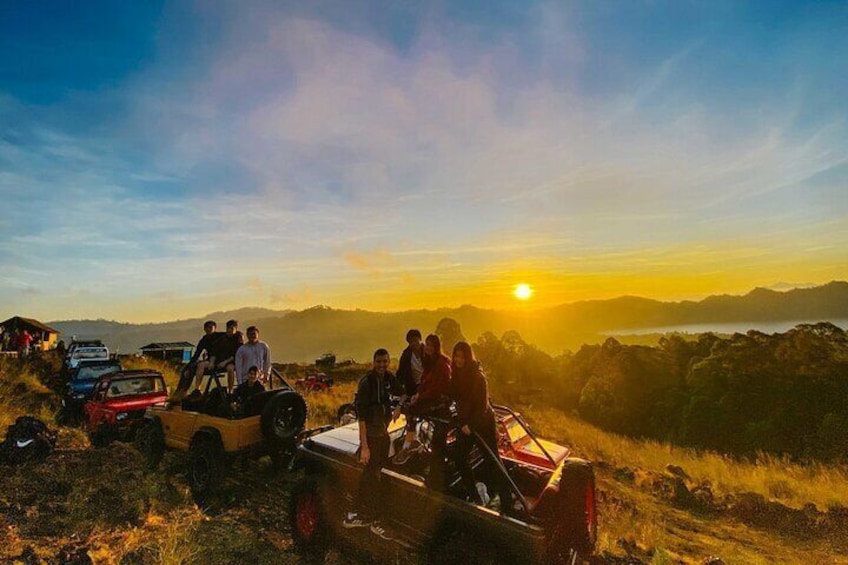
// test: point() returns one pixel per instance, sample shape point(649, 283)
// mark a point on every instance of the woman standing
point(475, 418)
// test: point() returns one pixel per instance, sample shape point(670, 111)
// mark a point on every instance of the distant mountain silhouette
point(303, 335)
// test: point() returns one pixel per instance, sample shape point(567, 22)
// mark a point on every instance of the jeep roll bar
point(527, 429)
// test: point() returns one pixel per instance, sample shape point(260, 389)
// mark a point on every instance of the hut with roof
point(43, 335)
point(177, 351)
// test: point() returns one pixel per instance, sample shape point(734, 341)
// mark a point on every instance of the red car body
point(119, 401)
point(516, 443)
point(313, 383)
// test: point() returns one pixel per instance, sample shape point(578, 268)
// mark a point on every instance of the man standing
point(373, 407)
point(254, 353)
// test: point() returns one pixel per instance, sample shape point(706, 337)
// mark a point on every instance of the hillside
point(303, 335)
point(658, 504)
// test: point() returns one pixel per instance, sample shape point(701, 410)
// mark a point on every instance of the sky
point(165, 160)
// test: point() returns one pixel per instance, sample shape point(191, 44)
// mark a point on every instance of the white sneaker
point(381, 531)
point(354, 520)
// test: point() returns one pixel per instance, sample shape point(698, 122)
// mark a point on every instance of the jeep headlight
point(122, 415)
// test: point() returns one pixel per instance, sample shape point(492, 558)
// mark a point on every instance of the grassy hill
point(658, 504)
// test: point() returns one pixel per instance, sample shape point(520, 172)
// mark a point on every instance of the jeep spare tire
point(283, 417)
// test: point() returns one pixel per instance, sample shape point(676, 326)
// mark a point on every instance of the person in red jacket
point(432, 390)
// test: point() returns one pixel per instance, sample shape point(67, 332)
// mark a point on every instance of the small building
point(44, 337)
point(177, 351)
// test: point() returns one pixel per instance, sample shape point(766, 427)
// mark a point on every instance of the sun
point(523, 291)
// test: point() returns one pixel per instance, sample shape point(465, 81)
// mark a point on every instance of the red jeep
point(117, 405)
point(314, 383)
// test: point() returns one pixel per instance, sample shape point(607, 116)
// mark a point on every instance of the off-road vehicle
point(79, 386)
point(214, 428)
point(117, 405)
point(554, 519)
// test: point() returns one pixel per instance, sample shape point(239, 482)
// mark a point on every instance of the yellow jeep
point(214, 428)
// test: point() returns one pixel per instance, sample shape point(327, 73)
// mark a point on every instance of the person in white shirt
point(254, 353)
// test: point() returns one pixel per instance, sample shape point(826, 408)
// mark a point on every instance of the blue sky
point(163, 160)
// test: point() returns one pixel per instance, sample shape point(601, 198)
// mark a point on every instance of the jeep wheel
point(282, 454)
point(207, 462)
point(460, 548)
point(309, 525)
point(575, 524)
point(150, 442)
point(346, 414)
point(283, 417)
point(103, 435)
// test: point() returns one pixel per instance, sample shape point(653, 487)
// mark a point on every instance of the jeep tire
point(103, 435)
point(150, 442)
point(283, 417)
point(207, 464)
point(309, 526)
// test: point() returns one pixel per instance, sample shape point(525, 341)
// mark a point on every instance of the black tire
point(62, 417)
point(461, 548)
point(282, 454)
point(574, 529)
point(103, 435)
point(346, 414)
point(207, 464)
point(283, 418)
point(150, 442)
point(308, 518)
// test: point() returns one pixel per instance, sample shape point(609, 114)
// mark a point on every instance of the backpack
point(28, 439)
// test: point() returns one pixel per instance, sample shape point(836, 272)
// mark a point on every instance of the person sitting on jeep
point(373, 406)
point(207, 343)
point(475, 419)
point(410, 370)
point(432, 391)
point(227, 347)
point(250, 387)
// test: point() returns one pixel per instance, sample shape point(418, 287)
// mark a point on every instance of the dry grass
point(791, 483)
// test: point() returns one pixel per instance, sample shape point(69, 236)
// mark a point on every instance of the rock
point(676, 471)
point(624, 474)
point(713, 560)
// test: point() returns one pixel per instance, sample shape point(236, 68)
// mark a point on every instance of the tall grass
point(792, 483)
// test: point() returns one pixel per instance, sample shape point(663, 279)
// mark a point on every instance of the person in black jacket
point(374, 412)
point(410, 369)
point(475, 418)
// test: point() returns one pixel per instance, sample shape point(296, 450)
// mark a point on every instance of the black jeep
point(554, 519)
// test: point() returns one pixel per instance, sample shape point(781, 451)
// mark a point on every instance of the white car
point(87, 353)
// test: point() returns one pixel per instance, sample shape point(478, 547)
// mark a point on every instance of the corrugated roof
point(30, 322)
point(168, 345)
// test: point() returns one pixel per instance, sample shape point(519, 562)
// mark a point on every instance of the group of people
point(18, 340)
point(246, 362)
point(427, 381)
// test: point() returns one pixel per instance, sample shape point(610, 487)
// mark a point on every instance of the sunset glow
point(390, 157)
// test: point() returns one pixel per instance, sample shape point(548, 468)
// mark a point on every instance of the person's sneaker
point(402, 456)
point(381, 531)
point(354, 520)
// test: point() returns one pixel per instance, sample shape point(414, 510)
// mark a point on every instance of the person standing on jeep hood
point(475, 418)
point(374, 409)
point(253, 353)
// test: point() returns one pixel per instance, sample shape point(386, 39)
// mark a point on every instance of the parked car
point(555, 519)
point(214, 428)
point(118, 402)
point(86, 352)
point(314, 383)
point(80, 384)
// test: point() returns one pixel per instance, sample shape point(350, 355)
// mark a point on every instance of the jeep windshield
point(135, 386)
point(94, 372)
